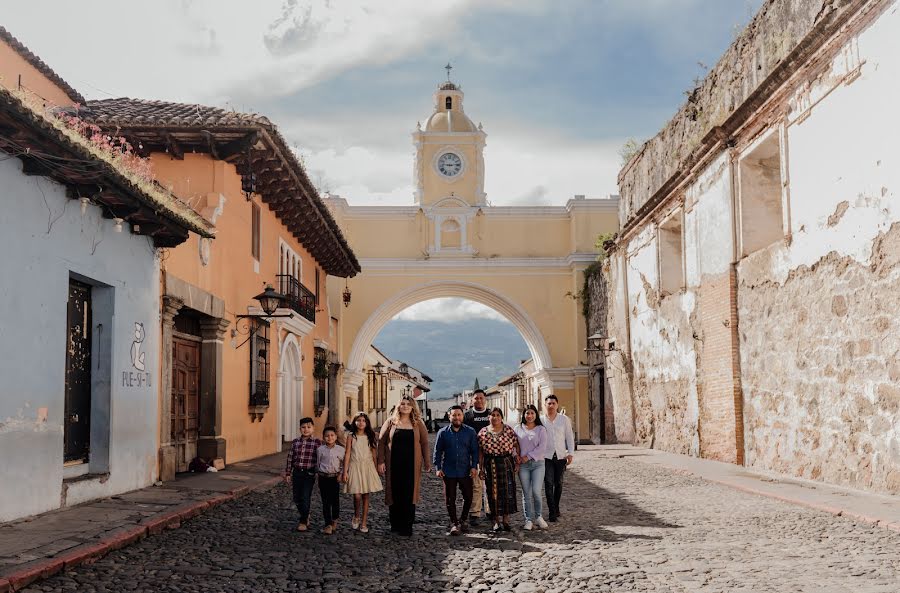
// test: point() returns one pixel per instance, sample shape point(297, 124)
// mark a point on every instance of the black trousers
point(302, 482)
point(331, 498)
point(553, 482)
point(465, 485)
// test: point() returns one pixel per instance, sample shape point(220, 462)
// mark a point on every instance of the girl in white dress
point(360, 475)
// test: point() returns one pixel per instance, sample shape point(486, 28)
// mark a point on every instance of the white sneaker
point(541, 523)
point(528, 526)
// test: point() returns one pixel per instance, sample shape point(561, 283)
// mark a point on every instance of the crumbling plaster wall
point(663, 383)
point(758, 58)
point(618, 365)
point(819, 328)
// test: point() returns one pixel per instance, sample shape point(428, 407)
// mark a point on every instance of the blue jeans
point(531, 474)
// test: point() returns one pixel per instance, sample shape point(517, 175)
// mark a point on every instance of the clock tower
point(449, 153)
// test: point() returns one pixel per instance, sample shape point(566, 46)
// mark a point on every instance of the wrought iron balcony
point(298, 297)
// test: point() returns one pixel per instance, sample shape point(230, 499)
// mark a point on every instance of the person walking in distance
point(532, 445)
point(558, 454)
point(477, 417)
point(456, 462)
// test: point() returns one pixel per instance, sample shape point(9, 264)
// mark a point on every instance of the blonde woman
point(402, 457)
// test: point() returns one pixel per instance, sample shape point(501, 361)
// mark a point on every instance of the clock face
point(449, 164)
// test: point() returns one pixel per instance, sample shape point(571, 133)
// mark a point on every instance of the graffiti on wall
point(137, 376)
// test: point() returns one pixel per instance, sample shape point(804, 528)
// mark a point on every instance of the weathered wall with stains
point(45, 239)
point(819, 328)
point(783, 356)
point(764, 54)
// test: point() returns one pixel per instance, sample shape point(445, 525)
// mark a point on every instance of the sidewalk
point(876, 509)
point(40, 546)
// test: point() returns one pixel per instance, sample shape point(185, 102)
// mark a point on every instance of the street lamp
point(269, 301)
point(596, 340)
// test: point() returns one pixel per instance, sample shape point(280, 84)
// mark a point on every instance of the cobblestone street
point(627, 526)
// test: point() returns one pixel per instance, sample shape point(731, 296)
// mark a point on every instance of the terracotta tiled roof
point(241, 139)
point(48, 149)
point(127, 112)
point(40, 65)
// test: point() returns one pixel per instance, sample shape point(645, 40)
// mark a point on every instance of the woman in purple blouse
point(532, 443)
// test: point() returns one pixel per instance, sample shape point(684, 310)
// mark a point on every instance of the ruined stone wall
point(779, 37)
point(818, 312)
point(822, 372)
point(663, 382)
point(618, 360)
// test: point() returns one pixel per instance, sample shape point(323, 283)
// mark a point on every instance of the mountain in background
point(454, 354)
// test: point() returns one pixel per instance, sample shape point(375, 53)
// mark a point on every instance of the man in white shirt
point(560, 449)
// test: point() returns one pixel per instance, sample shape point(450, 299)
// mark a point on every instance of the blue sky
point(559, 85)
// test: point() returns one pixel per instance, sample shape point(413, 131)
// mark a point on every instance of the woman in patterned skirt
point(498, 455)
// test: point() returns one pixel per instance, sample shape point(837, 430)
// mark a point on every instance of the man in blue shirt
point(456, 462)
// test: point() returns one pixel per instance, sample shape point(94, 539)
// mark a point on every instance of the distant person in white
point(559, 452)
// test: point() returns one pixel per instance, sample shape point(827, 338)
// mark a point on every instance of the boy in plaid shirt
point(300, 470)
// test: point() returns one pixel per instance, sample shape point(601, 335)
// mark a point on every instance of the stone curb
point(114, 539)
point(837, 511)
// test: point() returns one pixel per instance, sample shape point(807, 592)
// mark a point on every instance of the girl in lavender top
point(532, 443)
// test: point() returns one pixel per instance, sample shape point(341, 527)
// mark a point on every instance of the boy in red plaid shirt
point(300, 470)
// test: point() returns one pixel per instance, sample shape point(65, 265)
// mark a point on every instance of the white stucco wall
point(44, 238)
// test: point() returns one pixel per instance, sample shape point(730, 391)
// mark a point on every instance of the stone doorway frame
point(178, 295)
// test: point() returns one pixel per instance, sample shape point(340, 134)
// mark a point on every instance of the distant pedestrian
point(456, 462)
point(402, 456)
point(477, 417)
point(360, 475)
point(330, 470)
point(498, 448)
point(532, 444)
point(300, 470)
point(558, 455)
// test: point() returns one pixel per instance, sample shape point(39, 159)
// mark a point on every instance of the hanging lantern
point(346, 294)
point(248, 181)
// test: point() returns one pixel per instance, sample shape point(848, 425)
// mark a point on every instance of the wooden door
point(185, 401)
point(77, 421)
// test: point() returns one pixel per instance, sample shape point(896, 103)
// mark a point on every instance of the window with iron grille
point(320, 374)
point(259, 363)
point(520, 391)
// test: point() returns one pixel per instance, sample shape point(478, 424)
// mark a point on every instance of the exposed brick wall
point(721, 431)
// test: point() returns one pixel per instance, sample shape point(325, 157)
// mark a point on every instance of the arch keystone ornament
point(524, 262)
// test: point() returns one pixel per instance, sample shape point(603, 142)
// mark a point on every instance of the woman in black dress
point(402, 457)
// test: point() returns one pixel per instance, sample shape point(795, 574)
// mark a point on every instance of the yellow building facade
point(526, 263)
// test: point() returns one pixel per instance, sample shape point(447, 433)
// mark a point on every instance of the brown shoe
point(302, 527)
point(327, 530)
point(454, 530)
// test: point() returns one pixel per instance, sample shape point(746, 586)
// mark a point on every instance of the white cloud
point(448, 310)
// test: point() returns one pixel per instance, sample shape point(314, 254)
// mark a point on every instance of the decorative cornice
point(385, 263)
